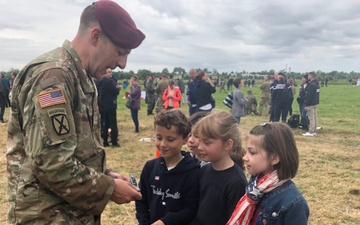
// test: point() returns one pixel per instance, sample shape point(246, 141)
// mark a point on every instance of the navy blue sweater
point(171, 196)
point(203, 92)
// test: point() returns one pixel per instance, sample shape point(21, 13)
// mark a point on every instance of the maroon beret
point(118, 25)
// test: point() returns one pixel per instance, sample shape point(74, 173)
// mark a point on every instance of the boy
point(169, 184)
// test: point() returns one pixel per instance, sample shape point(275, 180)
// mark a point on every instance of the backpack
point(294, 121)
point(228, 101)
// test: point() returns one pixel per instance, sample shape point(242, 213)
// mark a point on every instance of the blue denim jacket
point(283, 206)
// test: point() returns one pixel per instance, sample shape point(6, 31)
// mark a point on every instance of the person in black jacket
point(281, 97)
point(191, 92)
point(311, 103)
point(204, 89)
point(304, 123)
point(108, 92)
point(169, 184)
point(274, 81)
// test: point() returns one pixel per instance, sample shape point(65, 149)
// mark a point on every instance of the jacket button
point(274, 214)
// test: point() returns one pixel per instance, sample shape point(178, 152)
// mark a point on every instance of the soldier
point(251, 103)
point(160, 88)
point(55, 161)
point(265, 95)
point(222, 87)
point(150, 95)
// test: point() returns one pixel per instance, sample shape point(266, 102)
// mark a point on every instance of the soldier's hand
point(124, 192)
point(118, 176)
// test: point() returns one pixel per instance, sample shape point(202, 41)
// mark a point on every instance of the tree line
point(181, 72)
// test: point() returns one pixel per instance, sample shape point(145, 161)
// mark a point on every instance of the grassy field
point(329, 173)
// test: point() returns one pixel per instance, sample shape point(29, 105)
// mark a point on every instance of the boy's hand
point(158, 222)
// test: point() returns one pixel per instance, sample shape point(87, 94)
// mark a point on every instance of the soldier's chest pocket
point(270, 216)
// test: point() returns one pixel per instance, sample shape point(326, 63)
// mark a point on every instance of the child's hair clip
point(263, 124)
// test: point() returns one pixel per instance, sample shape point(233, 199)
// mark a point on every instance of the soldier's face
point(107, 55)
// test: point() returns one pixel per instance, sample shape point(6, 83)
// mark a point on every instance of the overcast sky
point(229, 35)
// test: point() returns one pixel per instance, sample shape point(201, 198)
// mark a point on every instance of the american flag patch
point(49, 98)
point(157, 177)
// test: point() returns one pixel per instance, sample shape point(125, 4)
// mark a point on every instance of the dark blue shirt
point(6, 83)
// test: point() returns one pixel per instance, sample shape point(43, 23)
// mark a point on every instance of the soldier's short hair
point(87, 17)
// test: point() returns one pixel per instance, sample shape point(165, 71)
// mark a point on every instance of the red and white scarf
point(246, 206)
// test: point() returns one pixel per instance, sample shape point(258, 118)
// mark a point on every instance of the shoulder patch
point(61, 124)
point(59, 121)
point(50, 98)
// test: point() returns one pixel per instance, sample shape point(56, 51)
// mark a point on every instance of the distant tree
point(165, 70)
point(224, 75)
point(143, 73)
point(179, 71)
point(216, 73)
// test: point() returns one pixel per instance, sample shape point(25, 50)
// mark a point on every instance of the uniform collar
point(87, 83)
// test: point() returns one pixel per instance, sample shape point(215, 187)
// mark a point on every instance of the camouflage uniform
point(160, 88)
point(55, 161)
point(265, 97)
point(150, 96)
point(251, 104)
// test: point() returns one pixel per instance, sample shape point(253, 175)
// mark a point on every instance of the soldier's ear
point(95, 35)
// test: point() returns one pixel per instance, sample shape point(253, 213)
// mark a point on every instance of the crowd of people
point(277, 96)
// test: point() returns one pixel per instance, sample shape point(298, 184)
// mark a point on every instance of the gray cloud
point(228, 35)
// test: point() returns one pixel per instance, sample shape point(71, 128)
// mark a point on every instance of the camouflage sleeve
point(57, 157)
